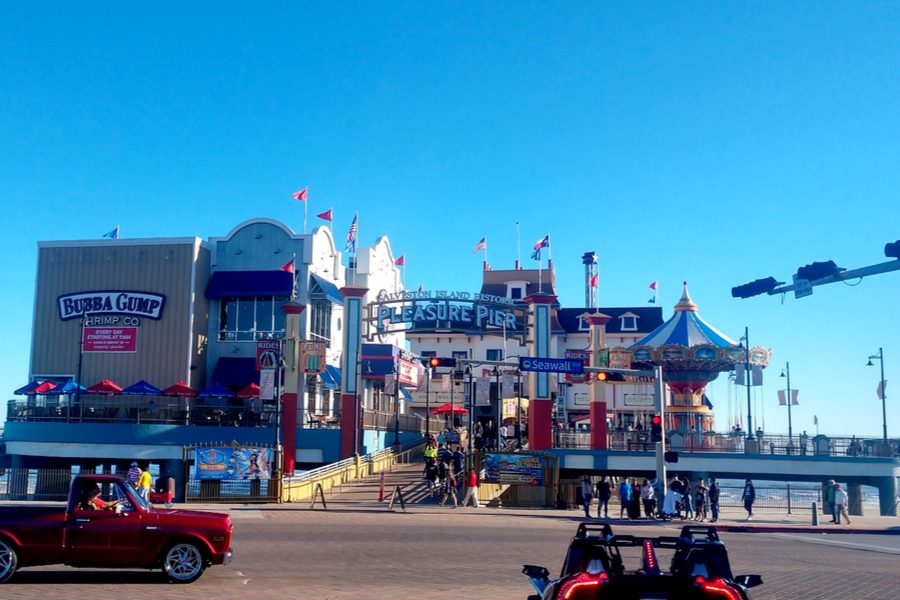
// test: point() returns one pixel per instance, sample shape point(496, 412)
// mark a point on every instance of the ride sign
point(551, 365)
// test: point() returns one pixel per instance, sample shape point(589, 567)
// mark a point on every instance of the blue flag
point(114, 234)
point(536, 255)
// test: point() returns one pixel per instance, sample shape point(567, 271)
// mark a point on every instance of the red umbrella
point(446, 408)
point(41, 389)
point(180, 389)
point(104, 387)
point(251, 391)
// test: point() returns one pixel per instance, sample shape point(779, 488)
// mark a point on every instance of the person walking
point(624, 498)
point(714, 499)
point(749, 497)
point(634, 513)
point(701, 500)
point(829, 499)
point(144, 484)
point(841, 501)
point(648, 497)
point(450, 490)
point(688, 498)
point(603, 494)
point(472, 489)
point(587, 494)
point(134, 473)
point(431, 477)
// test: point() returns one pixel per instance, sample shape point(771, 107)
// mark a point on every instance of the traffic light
point(755, 288)
point(656, 429)
point(818, 270)
point(435, 361)
point(892, 250)
point(671, 457)
point(606, 376)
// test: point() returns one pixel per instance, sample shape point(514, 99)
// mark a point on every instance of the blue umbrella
point(141, 388)
point(23, 391)
point(216, 391)
point(69, 387)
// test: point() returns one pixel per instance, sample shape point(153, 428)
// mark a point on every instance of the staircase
point(365, 492)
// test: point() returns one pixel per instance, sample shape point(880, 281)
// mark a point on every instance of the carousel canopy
point(686, 328)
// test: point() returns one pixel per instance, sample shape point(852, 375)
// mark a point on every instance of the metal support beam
point(886, 267)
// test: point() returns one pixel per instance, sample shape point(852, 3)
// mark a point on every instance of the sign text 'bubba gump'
point(111, 302)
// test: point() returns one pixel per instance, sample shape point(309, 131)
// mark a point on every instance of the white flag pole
point(305, 209)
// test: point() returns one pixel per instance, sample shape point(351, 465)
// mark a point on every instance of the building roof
point(648, 318)
point(686, 328)
point(493, 283)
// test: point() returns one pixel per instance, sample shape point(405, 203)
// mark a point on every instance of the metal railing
point(165, 410)
point(771, 444)
point(386, 421)
point(36, 484)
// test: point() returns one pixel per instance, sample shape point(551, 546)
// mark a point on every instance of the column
point(887, 495)
point(540, 404)
point(597, 323)
point(351, 418)
point(855, 499)
point(289, 397)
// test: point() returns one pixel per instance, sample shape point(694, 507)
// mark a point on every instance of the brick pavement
point(352, 551)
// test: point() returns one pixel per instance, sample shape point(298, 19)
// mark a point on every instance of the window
point(494, 355)
point(320, 321)
point(515, 293)
point(428, 354)
point(247, 319)
point(628, 322)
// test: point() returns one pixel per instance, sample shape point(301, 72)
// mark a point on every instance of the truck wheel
point(9, 560)
point(183, 563)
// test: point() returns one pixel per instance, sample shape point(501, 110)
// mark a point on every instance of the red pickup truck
point(107, 524)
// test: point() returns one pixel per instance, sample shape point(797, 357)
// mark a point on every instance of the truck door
point(87, 537)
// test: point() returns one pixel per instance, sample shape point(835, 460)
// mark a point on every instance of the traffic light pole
point(659, 388)
point(886, 267)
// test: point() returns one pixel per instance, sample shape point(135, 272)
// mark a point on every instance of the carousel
point(691, 353)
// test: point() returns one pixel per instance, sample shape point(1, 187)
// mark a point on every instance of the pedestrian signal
point(671, 457)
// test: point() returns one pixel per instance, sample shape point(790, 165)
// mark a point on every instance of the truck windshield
point(127, 501)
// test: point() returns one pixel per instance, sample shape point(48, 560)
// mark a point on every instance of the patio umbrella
point(180, 389)
point(446, 408)
point(141, 388)
point(251, 391)
point(69, 387)
point(216, 391)
point(22, 391)
point(41, 389)
point(104, 387)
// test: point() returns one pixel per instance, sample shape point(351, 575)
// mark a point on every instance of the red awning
point(180, 389)
point(104, 387)
point(251, 391)
point(446, 408)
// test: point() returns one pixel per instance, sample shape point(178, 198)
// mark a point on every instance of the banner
point(109, 339)
point(514, 468)
point(482, 391)
point(312, 357)
point(508, 383)
point(389, 384)
point(233, 463)
point(268, 355)
point(582, 355)
point(619, 358)
point(267, 384)
point(446, 382)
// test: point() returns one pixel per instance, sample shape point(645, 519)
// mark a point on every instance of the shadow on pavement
point(108, 577)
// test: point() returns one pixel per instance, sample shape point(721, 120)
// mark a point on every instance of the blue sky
point(710, 142)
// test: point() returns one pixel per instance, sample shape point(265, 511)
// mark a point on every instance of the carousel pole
point(747, 375)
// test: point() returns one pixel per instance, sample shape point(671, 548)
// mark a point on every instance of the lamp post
point(746, 339)
point(499, 409)
point(471, 395)
point(396, 376)
point(519, 409)
point(880, 358)
point(787, 373)
point(427, 403)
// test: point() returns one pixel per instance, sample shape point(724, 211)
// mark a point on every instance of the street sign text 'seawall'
point(551, 365)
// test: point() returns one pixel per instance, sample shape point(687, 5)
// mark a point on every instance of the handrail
point(349, 462)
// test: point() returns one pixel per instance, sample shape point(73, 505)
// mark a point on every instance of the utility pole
point(787, 369)
point(749, 412)
point(659, 388)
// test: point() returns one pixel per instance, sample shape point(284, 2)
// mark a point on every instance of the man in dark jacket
point(714, 498)
point(603, 494)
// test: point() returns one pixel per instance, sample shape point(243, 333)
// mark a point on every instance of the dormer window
point(628, 322)
point(515, 290)
point(515, 293)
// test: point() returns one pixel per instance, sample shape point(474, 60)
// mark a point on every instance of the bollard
point(381, 492)
point(815, 511)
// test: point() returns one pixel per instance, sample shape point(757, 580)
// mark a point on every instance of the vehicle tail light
point(651, 565)
point(717, 589)
point(582, 586)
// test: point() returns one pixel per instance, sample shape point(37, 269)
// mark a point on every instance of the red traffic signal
point(605, 376)
point(435, 361)
point(657, 420)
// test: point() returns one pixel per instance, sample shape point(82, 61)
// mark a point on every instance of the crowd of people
point(444, 471)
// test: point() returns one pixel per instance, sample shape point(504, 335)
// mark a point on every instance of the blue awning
point(329, 289)
point(406, 394)
point(327, 381)
point(236, 370)
point(250, 283)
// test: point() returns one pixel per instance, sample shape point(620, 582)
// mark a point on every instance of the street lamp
point(787, 370)
point(746, 339)
point(880, 358)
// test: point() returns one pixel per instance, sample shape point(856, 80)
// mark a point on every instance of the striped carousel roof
point(686, 328)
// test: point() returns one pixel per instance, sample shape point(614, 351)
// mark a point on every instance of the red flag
point(400, 261)
point(594, 281)
point(653, 285)
point(420, 288)
point(288, 268)
point(301, 195)
point(326, 215)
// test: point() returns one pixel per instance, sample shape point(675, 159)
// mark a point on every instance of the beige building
point(147, 314)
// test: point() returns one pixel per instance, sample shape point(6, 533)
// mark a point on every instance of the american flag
point(351, 236)
point(482, 245)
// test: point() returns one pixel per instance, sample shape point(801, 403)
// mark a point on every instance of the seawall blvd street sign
point(551, 365)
